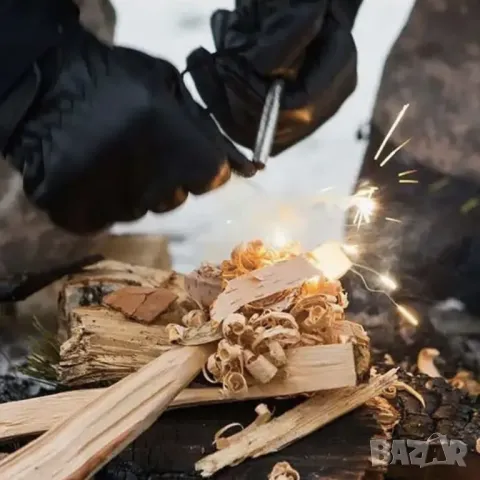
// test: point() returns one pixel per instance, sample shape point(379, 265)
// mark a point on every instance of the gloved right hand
point(307, 42)
point(113, 133)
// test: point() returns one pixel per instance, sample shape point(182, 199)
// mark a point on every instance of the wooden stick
point(294, 424)
point(78, 447)
point(308, 369)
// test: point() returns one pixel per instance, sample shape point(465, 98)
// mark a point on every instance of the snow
point(213, 223)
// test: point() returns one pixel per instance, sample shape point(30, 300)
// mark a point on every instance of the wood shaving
point(425, 362)
point(181, 335)
point(283, 471)
point(261, 369)
point(310, 313)
point(261, 284)
point(298, 422)
point(194, 319)
point(388, 359)
point(465, 380)
point(391, 392)
point(264, 415)
point(477, 445)
point(247, 257)
point(407, 388)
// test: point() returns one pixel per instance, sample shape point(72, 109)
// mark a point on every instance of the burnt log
point(340, 450)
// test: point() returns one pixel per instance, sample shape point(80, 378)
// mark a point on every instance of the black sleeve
point(348, 8)
point(28, 28)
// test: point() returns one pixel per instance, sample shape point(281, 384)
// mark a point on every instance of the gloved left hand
point(109, 133)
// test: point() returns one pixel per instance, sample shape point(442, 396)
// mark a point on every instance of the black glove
point(112, 133)
point(307, 42)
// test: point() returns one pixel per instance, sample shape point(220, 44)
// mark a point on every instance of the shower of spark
point(364, 204)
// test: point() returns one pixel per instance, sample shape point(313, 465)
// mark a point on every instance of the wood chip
point(425, 363)
point(297, 423)
point(283, 471)
point(141, 304)
point(203, 289)
point(264, 415)
point(262, 283)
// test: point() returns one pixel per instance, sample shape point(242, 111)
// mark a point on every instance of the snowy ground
point(331, 157)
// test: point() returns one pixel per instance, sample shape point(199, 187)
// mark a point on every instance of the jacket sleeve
point(28, 28)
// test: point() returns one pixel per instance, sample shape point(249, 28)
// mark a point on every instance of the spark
point(364, 204)
point(388, 282)
point(392, 128)
point(469, 205)
point(395, 220)
point(393, 152)
point(408, 181)
point(407, 315)
point(407, 172)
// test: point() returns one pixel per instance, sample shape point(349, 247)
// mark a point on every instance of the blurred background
point(272, 204)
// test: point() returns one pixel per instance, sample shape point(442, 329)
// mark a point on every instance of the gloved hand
point(113, 133)
point(308, 42)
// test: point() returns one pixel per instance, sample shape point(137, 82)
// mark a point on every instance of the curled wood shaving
point(221, 442)
point(176, 333)
point(276, 354)
point(255, 338)
point(234, 325)
point(234, 384)
point(259, 367)
point(407, 388)
point(464, 380)
point(391, 391)
point(425, 362)
point(264, 415)
point(194, 318)
point(283, 471)
point(247, 257)
point(256, 345)
point(181, 335)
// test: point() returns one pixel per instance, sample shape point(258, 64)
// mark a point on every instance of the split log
point(84, 442)
point(308, 369)
point(89, 287)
